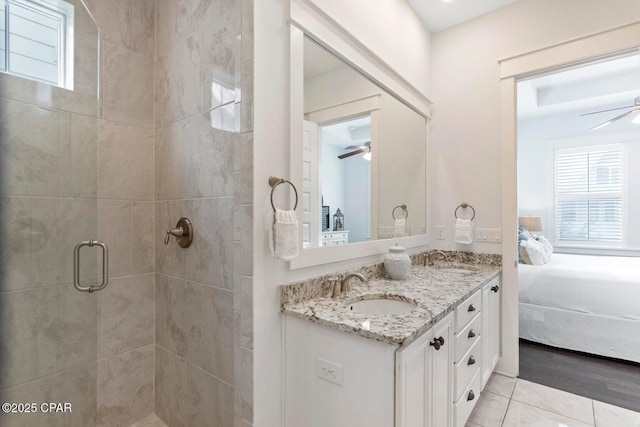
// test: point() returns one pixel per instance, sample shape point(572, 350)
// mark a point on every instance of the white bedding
point(608, 286)
point(584, 303)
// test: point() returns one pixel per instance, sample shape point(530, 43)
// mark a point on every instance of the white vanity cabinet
point(424, 373)
point(491, 309)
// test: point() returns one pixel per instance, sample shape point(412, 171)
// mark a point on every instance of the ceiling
point(599, 85)
point(438, 15)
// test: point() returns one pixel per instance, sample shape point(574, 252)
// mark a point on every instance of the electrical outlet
point(329, 371)
point(439, 232)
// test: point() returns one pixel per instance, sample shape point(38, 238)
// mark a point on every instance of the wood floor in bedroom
point(606, 380)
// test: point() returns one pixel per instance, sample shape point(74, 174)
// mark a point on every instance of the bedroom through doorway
point(578, 139)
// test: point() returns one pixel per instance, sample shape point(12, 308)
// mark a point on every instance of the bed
point(584, 303)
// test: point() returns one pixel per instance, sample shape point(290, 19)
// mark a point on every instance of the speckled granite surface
point(435, 290)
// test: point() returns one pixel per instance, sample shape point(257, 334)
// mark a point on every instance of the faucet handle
point(335, 286)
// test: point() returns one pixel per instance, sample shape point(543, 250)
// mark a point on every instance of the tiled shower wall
point(203, 159)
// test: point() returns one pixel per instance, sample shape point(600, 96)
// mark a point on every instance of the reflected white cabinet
point(491, 304)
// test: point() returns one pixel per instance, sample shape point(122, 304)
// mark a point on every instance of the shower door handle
point(76, 266)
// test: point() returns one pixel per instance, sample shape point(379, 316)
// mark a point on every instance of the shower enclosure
point(49, 109)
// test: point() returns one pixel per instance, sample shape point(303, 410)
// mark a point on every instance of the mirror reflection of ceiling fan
point(635, 108)
point(358, 149)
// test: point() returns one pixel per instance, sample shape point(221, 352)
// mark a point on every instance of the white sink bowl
point(381, 306)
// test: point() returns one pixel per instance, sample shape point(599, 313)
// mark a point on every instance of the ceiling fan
point(635, 108)
point(359, 149)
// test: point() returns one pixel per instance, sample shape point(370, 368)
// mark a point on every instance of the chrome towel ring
point(464, 206)
point(274, 182)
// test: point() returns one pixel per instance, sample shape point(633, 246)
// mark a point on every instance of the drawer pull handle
point(472, 334)
point(495, 288)
point(437, 343)
point(471, 308)
point(472, 360)
point(471, 395)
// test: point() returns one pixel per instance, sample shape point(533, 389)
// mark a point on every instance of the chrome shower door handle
point(105, 266)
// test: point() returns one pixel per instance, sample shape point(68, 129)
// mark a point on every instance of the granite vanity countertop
point(436, 291)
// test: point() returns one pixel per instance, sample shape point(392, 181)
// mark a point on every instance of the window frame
point(622, 194)
point(64, 13)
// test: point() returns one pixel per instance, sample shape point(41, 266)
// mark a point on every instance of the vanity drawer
point(467, 401)
point(466, 368)
point(467, 310)
point(467, 337)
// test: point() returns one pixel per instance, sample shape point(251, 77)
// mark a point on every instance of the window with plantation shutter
point(36, 40)
point(589, 186)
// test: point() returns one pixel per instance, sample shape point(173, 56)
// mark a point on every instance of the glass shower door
point(49, 109)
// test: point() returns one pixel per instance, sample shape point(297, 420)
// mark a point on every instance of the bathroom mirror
point(363, 152)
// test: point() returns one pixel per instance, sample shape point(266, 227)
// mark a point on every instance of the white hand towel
point(464, 231)
point(284, 235)
point(400, 227)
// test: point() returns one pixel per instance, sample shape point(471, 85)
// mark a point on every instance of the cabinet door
point(412, 386)
point(491, 328)
point(441, 378)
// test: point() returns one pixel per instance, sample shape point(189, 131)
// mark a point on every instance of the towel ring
point(464, 206)
point(403, 207)
point(274, 182)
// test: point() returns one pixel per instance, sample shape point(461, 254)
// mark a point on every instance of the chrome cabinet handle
point(105, 266)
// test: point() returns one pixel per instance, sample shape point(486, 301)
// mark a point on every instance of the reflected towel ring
point(274, 182)
point(403, 207)
point(464, 206)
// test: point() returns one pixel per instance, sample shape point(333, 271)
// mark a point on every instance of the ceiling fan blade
point(353, 153)
point(604, 111)
point(608, 122)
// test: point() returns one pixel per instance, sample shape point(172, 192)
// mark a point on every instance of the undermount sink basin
point(381, 306)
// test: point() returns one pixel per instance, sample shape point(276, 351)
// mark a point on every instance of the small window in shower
point(36, 40)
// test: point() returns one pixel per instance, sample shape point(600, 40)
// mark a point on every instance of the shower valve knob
point(183, 233)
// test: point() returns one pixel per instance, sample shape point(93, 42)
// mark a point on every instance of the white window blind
point(35, 36)
point(589, 186)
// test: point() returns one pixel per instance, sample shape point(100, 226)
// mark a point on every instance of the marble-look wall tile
point(193, 160)
point(247, 97)
point(143, 26)
point(114, 19)
point(44, 331)
point(125, 387)
point(57, 225)
point(127, 314)
point(125, 162)
point(243, 163)
point(77, 387)
point(79, 177)
point(170, 388)
point(243, 400)
point(208, 401)
point(217, 330)
point(247, 30)
point(15, 243)
point(127, 86)
point(178, 317)
point(114, 228)
point(142, 237)
point(244, 296)
point(210, 258)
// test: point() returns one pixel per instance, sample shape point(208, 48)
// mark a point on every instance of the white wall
point(396, 30)
point(466, 140)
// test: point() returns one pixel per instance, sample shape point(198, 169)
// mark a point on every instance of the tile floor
point(510, 402)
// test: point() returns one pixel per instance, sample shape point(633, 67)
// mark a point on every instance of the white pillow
point(533, 252)
point(547, 245)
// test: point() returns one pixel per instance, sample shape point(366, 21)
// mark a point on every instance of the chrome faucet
point(428, 259)
point(341, 286)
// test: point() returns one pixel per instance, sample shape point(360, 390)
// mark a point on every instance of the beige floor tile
point(614, 416)
point(557, 401)
point(500, 384)
point(490, 410)
point(520, 415)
